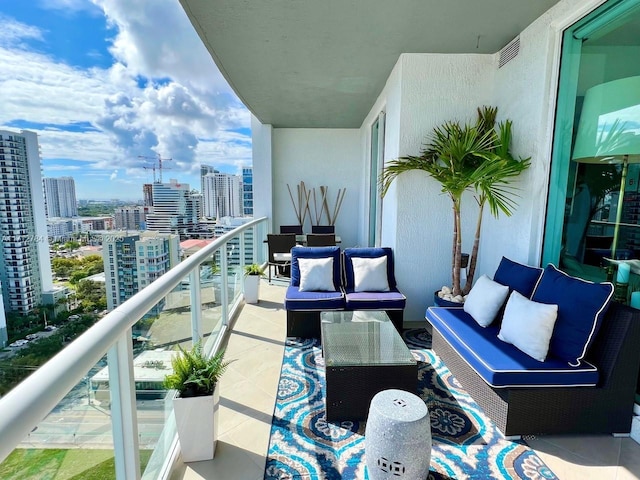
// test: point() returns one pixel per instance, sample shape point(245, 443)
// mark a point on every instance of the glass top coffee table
point(363, 354)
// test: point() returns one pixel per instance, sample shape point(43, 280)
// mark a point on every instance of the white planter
point(251, 288)
point(197, 425)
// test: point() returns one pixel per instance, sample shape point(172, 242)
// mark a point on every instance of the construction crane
point(152, 167)
point(158, 159)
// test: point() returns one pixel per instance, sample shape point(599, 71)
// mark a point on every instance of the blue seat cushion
point(581, 308)
point(393, 300)
point(521, 278)
point(294, 299)
point(500, 364)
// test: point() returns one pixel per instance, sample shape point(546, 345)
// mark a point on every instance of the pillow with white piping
point(370, 274)
point(316, 274)
point(528, 325)
point(485, 300)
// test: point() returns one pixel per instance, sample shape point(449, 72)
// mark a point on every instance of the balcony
point(253, 336)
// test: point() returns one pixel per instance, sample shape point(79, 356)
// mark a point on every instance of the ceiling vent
point(509, 52)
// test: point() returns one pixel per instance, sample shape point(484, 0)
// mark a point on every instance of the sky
point(110, 86)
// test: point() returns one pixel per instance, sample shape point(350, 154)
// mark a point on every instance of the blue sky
point(105, 83)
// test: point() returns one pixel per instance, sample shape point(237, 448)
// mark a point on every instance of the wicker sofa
point(303, 307)
point(550, 407)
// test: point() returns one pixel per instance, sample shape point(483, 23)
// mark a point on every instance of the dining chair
point(297, 229)
point(321, 239)
point(279, 246)
point(323, 229)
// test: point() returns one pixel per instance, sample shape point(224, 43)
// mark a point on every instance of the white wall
point(318, 157)
point(428, 89)
point(524, 91)
point(423, 91)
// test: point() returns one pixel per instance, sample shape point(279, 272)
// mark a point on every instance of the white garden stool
point(397, 437)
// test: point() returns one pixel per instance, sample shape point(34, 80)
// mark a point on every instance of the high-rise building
point(174, 211)
point(60, 197)
point(25, 266)
point(131, 262)
point(227, 224)
point(205, 170)
point(131, 218)
point(222, 195)
point(247, 191)
point(147, 193)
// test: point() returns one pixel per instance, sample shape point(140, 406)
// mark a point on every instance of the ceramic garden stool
point(397, 437)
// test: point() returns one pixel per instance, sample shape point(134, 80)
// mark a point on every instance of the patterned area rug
point(466, 444)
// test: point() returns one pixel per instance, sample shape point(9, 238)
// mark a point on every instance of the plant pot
point(251, 288)
point(441, 302)
point(197, 425)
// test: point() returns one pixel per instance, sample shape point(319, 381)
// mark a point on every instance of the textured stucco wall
point(329, 157)
point(417, 218)
point(435, 88)
point(524, 90)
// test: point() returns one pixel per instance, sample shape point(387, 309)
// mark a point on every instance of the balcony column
point(124, 419)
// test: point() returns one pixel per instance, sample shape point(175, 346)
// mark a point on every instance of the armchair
point(315, 287)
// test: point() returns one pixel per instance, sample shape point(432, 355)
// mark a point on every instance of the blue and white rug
point(466, 444)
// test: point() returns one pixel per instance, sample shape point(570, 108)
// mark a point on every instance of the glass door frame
point(572, 40)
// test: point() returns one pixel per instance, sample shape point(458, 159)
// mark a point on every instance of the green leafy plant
point(195, 374)
point(467, 158)
point(253, 269)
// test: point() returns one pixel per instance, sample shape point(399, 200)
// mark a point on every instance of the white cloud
point(14, 32)
point(68, 6)
point(156, 39)
point(114, 175)
point(181, 113)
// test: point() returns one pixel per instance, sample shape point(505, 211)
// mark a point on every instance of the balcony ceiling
point(322, 64)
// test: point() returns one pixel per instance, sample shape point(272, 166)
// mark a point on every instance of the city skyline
point(106, 82)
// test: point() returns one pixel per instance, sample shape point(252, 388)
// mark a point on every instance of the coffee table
point(363, 354)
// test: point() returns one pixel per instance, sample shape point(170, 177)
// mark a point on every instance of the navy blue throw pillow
point(581, 307)
point(518, 277)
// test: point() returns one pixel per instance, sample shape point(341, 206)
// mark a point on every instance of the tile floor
point(256, 345)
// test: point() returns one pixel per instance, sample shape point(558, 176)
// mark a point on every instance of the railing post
point(243, 258)
point(224, 284)
point(124, 419)
point(196, 305)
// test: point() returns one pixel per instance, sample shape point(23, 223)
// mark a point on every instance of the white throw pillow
point(370, 274)
point(485, 300)
point(316, 274)
point(528, 325)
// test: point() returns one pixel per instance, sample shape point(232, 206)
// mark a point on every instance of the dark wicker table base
point(350, 389)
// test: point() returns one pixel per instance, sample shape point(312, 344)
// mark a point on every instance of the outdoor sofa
point(354, 279)
point(586, 383)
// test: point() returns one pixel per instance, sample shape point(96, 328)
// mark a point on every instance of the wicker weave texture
point(606, 408)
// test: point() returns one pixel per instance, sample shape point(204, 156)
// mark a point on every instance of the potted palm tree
point(252, 274)
point(195, 378)
point(465, 158)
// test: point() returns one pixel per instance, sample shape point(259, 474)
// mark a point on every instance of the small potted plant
point(195, 378)
point(252, 274)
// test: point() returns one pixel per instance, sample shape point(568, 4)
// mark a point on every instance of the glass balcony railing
point(98, 408)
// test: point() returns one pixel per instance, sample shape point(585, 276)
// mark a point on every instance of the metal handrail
point(33, 399)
